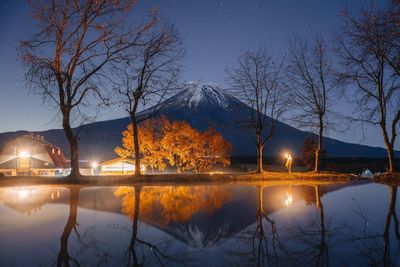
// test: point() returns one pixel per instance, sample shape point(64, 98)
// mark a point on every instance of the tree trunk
point(136, 144)
point(63, 257)
point(390, 152)
point(389, 148)
point(319, 147)
point(259, 154)
point(73, 146)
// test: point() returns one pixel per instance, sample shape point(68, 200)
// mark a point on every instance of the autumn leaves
point(177, 143)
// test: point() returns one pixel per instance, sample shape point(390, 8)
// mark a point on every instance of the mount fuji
point(203, 106)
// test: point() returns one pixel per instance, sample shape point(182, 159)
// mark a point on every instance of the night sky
point(214, 33)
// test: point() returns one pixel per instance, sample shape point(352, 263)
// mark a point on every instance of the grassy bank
point(270, 178)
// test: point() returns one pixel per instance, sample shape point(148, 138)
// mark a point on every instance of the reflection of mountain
point(205, 229)
point(200, 216)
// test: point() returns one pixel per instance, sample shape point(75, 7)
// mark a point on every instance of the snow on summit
point(196, 93)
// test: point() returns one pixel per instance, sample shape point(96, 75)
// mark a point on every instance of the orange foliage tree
point(211, 148)
point(150, 144)
point(188, 149)
point(178, 144)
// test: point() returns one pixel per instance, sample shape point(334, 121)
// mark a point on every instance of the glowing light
point(289, 199)
point(95, 165)
point(142, 168)
point(23, 194)
point(212, 173)
point(24, 154)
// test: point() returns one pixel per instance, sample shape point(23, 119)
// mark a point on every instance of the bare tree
point(311, 80)
point(364, 48)
point(149, 74)
point(256, 80)
point(66, 59)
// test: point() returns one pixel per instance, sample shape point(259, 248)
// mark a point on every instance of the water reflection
point(63, 258)
point(375, 245)
point(213, 225)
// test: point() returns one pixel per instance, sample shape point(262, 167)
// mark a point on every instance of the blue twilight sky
point(214, 33)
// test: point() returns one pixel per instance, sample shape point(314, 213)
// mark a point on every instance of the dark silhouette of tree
point(311, 79)
point(157, 252)
point(376, 247)
point(149, 74)
point(63, 258)
point(261, 251)
point(256, 80)
point(262, 240)
point(323, 249)
point(365, 49)
point(67, 58)
point(307, 154)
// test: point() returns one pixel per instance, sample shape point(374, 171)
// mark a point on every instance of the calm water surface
point(215, 225)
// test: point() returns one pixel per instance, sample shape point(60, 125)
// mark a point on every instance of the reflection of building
point(31, 155)
point(117, 166)
point(31, 198)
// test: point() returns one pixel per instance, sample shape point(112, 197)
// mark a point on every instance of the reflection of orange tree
point(178, 143)
point(172, 204)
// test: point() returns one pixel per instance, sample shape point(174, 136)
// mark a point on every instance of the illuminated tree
point(67, 58)
point(151, 151)
point(211, 148)
point(188, 149)
point(179, 144)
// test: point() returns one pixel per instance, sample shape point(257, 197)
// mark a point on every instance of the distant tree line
point(362, 63)
point(84, 56)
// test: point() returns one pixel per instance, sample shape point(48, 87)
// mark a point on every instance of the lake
point(351, 224)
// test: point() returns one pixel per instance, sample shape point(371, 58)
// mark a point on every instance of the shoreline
point(269, 178)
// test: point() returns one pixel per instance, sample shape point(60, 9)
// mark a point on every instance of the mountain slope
point(203, 106)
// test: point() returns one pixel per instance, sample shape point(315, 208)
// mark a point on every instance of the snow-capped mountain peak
point(197, 94)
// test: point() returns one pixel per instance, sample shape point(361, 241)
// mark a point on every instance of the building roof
point(37, 148)
point(116, 160)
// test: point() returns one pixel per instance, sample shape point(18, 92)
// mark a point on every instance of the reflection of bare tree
point(386, 234)
point(157, 252)
point(376, 248)
point(308, 244)
point(63, 258)
point(264, 239)
point(135, 222)
point(261, 248)
point(323, 255)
